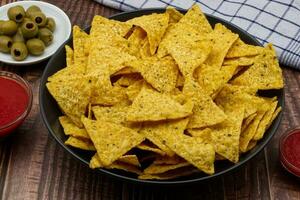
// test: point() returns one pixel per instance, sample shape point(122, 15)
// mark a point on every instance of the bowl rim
point(28, 89)
point(171, 182)
point(38, 60)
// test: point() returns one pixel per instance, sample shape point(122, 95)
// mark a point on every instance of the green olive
point(46, 36)
point(5, 44)
point(18, 37)
point(19, 51)
point(29, 29)
point(51, 25)
point(32, 9)
point(35, 46)
point(8, 27)
point(16, 13)
point(39, 18)
point(1, 22)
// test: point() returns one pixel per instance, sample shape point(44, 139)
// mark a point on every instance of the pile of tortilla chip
point(165, 95)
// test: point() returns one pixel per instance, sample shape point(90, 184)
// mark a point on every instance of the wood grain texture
point(34, 166)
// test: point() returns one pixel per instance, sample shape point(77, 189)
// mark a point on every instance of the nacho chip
point(160, 73)
point(161, 168)
point(240, 49)
point(168, 160)
point(223, 39)
point(251, 145)
point(155, 26)
point(65, 73)
point(80, 143)
point(111, 140)
point(174, 15)
point(205, 111)
point(226, 135)
point(129, 79)
point(262, 127)
point(114, 114)
point(71, 129)
point(96, 163)
point(275, 114)
point(125, 70)
point(204, 134)
point(147, 146)
point(130, 159)
point(145, 50)
point(72, 95)
point(240, 61)
point(69, 56)
point(212, 79)
point(136, 41)
point(191, 149)
point(133, 90)
point(79, 39)
point(248, 121)
point(264, 74)
point(184, 171)
point(150, 105)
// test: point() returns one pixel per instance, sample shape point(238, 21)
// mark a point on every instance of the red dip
point(290, 151)
point(13, 100)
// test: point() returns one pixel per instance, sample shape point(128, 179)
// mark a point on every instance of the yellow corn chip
point(240, 49)
point(72, 95)
point(69, 56)
point(168, 160)
point(149, 147)
point(79, 40)
point(239, 61)
point(191, 149)
point(114, 114)
point(125, 70)
point(71, 129)
point(251, 145)
point(133, 90)
point(174, 15)
point(204, 134)
point(130, 159)
point(111, 140)
point(129, 79)
point(184, 171)
point(223, 39)
point(160, 73)
point(247, 121)
point(65, 73)
point(205, 111)
point(265, 74)
point(155, 26)
point(150, 105)
point(262, 127)
point(145, 50)
point(161, 168)
point(136, 41)
point(80, 143)
point(275, 114)
point(226, 135)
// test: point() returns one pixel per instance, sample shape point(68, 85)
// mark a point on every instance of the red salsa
point(290, 152)
point(13, 100)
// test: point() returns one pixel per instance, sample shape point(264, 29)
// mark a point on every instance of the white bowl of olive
point(31, 31)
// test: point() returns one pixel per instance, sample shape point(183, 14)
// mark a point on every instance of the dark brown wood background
point(34, 166)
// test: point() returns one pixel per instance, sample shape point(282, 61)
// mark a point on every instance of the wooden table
point(34, 166)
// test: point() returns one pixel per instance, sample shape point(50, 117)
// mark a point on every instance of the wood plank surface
point(34, 166)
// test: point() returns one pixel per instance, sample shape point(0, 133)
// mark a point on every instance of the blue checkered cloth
point(275, 21)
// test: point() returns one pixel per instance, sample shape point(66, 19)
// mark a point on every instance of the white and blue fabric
point(275, 21)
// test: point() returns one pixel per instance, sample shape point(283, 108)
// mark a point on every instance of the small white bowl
point(60, 35)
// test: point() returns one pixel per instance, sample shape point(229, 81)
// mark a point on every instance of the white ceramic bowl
point(61, 33)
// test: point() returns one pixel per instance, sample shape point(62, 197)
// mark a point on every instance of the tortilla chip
point(145, 50)
point(172, 174)
point(150, 105)
point(65, 73)
point(264, 74)
point(239, 61)
point(161, 168)
point(275, 114)
point(247, 135)
point(191, 149)
point(262, 127)
point(146, 146)
point(205, 111)
point(160, 73)
point(168, 160)
point(180, 80)
point(223, 39)
point(71, 129)
point(72, 95)
point(129, 79)
point(204, 134)
point(248, 121)
point(80, 143)
point(130, 159)
point(79, 39)
point(133, 90)
point(111, 140)
point(96, 163)
point(125, 70)
point(155, 26)
point(69, 56)
point(114, 114)
point(174, 15)
point(226, 135)
point(136, 41)
point(240, 49)
point(251, 145)
point(212, 79)
point(196, 19)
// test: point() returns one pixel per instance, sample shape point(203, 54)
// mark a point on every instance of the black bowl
point(50, 112)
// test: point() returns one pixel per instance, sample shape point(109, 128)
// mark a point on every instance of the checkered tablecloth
point(275, 21)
